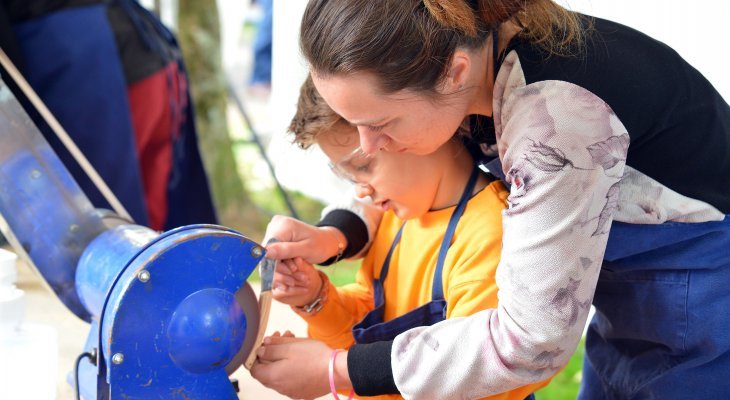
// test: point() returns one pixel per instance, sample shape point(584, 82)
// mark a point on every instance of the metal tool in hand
point(267, 267)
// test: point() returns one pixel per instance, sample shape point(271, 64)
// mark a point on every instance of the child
point(433, 256)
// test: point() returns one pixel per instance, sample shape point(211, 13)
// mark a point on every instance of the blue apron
point(372, 328)
point(662, 323)
point(72, 62)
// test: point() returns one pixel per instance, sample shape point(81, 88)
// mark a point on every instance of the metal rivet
point(257, 251)
point(118, 358)
point(143, 276)
point(35, 174)
point(73, 228)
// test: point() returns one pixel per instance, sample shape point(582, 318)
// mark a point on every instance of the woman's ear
point(459, 69)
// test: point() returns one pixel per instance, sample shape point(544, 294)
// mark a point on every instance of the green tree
point(199, 33)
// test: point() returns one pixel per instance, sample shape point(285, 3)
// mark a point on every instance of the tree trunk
point(199, 33)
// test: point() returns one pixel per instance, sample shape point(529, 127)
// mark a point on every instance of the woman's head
point(408, 44)
point(432, 50)
point(398, 41)
point(408, 184)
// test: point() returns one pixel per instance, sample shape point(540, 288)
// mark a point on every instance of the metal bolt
point(118, 358)
point(35, 174)
point(257, 251)
point(143, 276)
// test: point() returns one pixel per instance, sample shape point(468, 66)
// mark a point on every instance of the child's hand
point(297, 367)
point(296, 282)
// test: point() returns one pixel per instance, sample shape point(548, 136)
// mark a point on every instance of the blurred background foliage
point(229, 152)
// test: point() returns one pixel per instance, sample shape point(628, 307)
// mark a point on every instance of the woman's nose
point(371, 142)
point(363, 190)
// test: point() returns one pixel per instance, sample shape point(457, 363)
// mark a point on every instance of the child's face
point(402, 182)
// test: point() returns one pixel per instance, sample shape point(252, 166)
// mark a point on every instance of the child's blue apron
point(372, 328)
point(662, 323)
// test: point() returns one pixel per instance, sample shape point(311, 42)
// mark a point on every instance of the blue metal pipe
point(48, 219)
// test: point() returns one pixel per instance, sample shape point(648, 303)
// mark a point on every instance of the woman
point(599, 129)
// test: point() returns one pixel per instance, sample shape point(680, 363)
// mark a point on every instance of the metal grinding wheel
point(246, 298)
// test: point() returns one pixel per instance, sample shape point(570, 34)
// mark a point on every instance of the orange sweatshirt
point(468, 274)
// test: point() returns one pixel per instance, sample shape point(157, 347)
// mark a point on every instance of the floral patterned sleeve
point(563, 151)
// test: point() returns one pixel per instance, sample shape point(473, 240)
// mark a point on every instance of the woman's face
point(402, 122)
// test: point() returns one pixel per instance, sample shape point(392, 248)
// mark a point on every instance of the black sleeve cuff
point(352, 226)
point(369, 368)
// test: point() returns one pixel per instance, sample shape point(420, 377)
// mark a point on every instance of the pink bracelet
point(332, 376)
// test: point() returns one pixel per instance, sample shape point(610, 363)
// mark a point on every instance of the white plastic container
point(28, 351)
point(8, 269)
point(29, 363)
point(12, 299)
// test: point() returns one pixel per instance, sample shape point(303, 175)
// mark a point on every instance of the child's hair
point(313, 116)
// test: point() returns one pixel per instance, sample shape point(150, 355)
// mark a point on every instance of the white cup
point(12, 308)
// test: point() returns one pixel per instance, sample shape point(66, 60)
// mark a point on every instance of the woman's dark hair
point(408, 44)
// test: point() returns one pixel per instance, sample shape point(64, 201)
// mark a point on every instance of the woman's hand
point(297, 367)
point(299, 239)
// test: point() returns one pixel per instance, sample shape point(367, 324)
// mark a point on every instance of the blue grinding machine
point(171, 314)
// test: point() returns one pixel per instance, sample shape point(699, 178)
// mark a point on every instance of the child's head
point(314, 117)
point(406, 183)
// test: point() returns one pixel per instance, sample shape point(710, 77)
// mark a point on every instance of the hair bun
point(453, 14)
point(495, 12)
point(461, 14)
